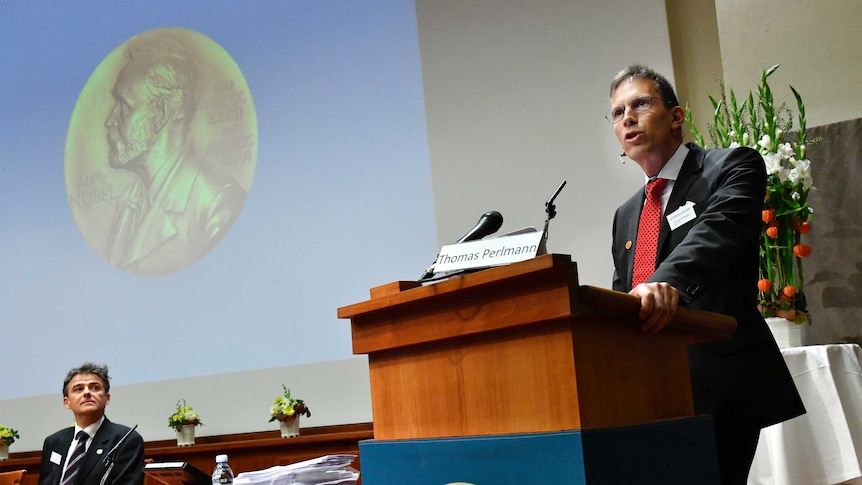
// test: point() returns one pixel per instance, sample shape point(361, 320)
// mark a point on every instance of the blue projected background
point(341, 198)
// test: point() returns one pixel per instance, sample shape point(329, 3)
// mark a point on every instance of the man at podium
point(691, 238)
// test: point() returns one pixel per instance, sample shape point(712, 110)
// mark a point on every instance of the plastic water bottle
point(222, 474)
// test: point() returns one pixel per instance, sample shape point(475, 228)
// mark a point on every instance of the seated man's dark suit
point(129, 462)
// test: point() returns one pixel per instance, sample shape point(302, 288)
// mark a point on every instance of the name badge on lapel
point(682, 215)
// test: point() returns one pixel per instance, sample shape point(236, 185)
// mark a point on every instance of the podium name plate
point(490, 252)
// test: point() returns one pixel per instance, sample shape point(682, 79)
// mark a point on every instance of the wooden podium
point(520, 349)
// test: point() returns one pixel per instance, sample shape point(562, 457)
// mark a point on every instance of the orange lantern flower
point(802, 250)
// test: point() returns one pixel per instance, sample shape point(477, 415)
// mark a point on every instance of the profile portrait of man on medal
point(179, 207)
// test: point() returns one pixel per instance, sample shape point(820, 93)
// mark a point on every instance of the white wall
point(816, 43)
point(696, 54)
point(515, 94)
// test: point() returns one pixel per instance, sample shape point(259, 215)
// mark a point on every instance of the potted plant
point(758, 123)
point(7, 437)
point(184, 420)
point(287, 410)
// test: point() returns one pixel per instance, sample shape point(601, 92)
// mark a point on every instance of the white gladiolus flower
point(785, 150)
point(801, 174)
point(766, 143)
point(773, 163)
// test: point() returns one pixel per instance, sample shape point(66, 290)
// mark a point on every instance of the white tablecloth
point(824, 446)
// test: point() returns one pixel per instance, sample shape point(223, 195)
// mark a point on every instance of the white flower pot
point(4, 452)
point(787, 334)
point(289, 427)
point(186, 436)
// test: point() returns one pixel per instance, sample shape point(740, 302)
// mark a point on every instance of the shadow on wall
point(834, 272)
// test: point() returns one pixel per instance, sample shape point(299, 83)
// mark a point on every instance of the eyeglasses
point(639, 105)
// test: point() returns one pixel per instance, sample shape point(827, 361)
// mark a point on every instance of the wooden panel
point(702, 325)
point(540, 289)
point(510, 381)
point(12, 477)
point(473, 311)
point(626, 376)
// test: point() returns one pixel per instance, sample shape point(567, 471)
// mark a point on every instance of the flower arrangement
point(286, 407)
point(183, 416)
point(7, 435)
point(759, 124)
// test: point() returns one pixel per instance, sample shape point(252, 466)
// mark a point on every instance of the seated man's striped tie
point(74, 464)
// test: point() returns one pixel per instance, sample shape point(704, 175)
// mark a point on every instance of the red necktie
point(648, 228)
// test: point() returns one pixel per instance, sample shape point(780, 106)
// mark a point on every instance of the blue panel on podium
point(678, 451)
point(522, 459)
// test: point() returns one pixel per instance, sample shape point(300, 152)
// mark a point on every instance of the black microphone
point(488, 224)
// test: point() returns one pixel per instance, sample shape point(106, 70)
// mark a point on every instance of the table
point(824, 446)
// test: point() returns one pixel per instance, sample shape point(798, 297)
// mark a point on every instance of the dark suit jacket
point(713, 261)
point(129, 464)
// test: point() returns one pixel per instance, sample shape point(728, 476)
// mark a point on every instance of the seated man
point(77, 455)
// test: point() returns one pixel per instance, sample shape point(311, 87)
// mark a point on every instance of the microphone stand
point(111, 458)
point(551, 210)
point(107, 472)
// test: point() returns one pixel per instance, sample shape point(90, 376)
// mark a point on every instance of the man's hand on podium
point(659, 302)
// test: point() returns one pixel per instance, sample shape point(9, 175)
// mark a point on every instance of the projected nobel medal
point(161, 151)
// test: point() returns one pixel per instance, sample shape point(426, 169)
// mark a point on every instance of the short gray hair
point(98, 370)
point(638, 71)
